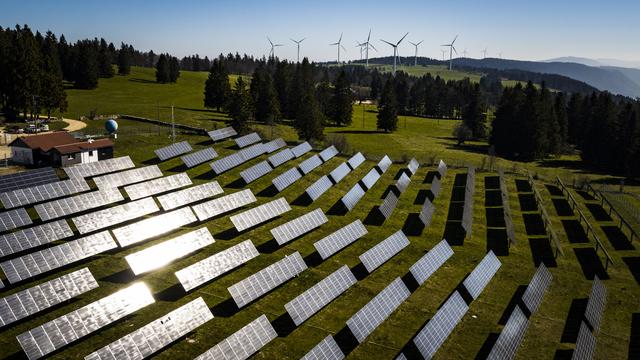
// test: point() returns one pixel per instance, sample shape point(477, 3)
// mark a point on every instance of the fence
point(546, 220)
point(612, 210)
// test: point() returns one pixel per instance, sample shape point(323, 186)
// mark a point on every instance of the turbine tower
point(272, 53)
point(395, 51)
point(339, 45)
point(298, 43)
point(361, 46)
point(451, 50)
point(464, 53)
point(367, 44)
point(415, 59)
point(443, 53)
point(484, 53)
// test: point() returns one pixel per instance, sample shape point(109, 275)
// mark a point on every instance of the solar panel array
point(161, 254)
point(26, 179)
point(356, 160)
point(43, 296)
point(68, 328)
point(157, 186)
point(370, 316)
point(436, 185)
point(482, 274)
point(442, 169)
point(384, 163)
point(328, 153)
point(55, 257)
point(189, 195)
point(44, 192)
point(340, 172)
point(114, 215)
point(510, 337)
point(585, 344)
point(309, 164)
point(274, 145)
point(127, 177)
point(153, 226)
point(233, 160)
point(255, 172)
point(267, 279)
point(281, 157)
point(32, 237)
point(199, 157)
point(370, 179)
point(159, 333)
point(339, 239)
point(286, 179)
point(246, 140)
point(205, 270)
point(432, 335)
point(388, 204)
point(99, 167)
point(301, 149)
point(595, 305)
point(305, 305)
point(221, 134)
point(319, 187)
point(384, 250)
point(467, 214)
point(243, 343)
point(173, 150)
point(508, 220)
point(327, 349)
point(431, 262)
point(536, 289)
point(351, 198)
point(413, 166)
point(260, 214)
point(299, 226)
point(78, 203)
point(14, 219)
point(426, 213)
point(223, 204)
point(403, 183)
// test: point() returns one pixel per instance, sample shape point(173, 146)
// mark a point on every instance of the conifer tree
point(52, 95)
point(104, 60)
point(473, 114)
point(240, 106)
point(174, 69)
point(308, 122)
point(124, 60)
point(217, 87)
point(86, 66)
point(342, 101)
point(388, 108)
point(162, 69)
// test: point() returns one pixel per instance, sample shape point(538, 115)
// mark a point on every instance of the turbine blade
point(369, 36)
point(343, 48)
point(420, 42)
point(405, 35)
point(454, 50)
point(412, 43)
point(270, 41)
point(394, 45)
point(293, 40)
point(454, 39)
point(303, 39)
point(339, 40)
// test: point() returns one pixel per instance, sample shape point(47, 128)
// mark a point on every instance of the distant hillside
point(597, 62)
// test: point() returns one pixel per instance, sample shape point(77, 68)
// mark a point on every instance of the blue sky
point(527, 30)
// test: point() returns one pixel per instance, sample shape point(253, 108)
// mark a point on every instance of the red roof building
point(58, 149)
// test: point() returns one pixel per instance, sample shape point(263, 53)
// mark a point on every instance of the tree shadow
point(374, 217)
point(542, 252)
point(527, 202)
point(590, 263)
point(142, 81)
point(498, 241)
point(413, 226)
point(562, 207)
point(533, 224)
point(574, 318)
point(359, 132)
point(172, 293)
point(617, 238)
point(575, 232)
point(523, 186)
point(492, 198)
point(598, 212)
point(633, 263)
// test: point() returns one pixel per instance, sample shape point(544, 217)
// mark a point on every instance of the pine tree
point(86, 66)
point(217, 88)
point(240, 106)
point(52, 94)
point(308, 122)
point(342, 101)
point(388, 108)
point(282, 80)
point(560, 109)
point(104, 60)
point(162, 69)
point(267, 109)
point(124, 60)
point(473, 114)
point(174, 69)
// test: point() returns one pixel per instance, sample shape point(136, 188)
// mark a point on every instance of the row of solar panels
point(264, 167)
point(467, 214)
point(391, 200)
point(295, 173)
point(324, 183)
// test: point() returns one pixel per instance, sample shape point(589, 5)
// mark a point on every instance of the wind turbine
point(298, 43)
point(451, 50)
point(361, 46)
point(484, 53)
point(415, 61)
point(339, 45)
point(272, 53)
point(443, 53)
point(395, 51)
point(368, 44)
point(499, 55)
point(464, 53)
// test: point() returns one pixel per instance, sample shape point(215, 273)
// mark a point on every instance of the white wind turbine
point(484, 53)
point(339, 45)
point(272, 53)
point(298, 43)
point(415, 59)
point(451, 50)
point(367, 44)
point(464, 53)
point(361, 46)
point(395, 51)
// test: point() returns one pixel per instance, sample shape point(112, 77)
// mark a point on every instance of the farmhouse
point(59, 149)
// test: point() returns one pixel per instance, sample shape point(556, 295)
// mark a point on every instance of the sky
point(516, 29)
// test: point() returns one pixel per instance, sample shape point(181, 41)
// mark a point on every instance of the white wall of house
point(89, 156)
point(22, 155)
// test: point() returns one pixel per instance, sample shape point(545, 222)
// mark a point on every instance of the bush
point(462, 133)
point(340, 142)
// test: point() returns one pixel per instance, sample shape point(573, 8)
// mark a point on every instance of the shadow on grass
point(268, 247)
point(487, 346)
point(527, 202)
point(121, 277)
point(422, 196)
point(457, 193)
point(172, 293)
point(346, 341)
point(523, 186)
point(269, 191)
point(428, 178)
point(456, 210)
point(495, 217)
point(454, 233)
point(533, 224)
point(498, 241)
point(492, 198)
point(359, 132)
point(542, 252)
point(617, 238)
point(143, 81)
point(563, 354)
point(374, 217)
point(598, 212)
point(492, 182)
point(338, 209)
point(179, 168)
point(572, 323)
point(634, 339)
point(516, 299)
point(236, 184)
point(359, 271)
point(313, 259)
point(413, 226)
point(302, 200)
point(554, 190)
point(590, 263)
point(208, 175)
point(152, 161)
point(284, 325)
point(460, 180)
point(585, 195)
point(633, 263)
point(226, 308)
point(562, 207)
point(575, 232)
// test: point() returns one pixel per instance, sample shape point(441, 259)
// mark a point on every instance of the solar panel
point(157, 186)
point(13, 219)
point(205, 270)
point(339, 239)
point(367, 319)
point(252, 151)
point(26, 179)
point(247, 140)
point(223, 204)
point(78, 203)
point(267, 279)
point(511, 336)
point(536, 289)
point(189, 195)
point(403, 183)
point(32, 237)
point(356, 160)
point(199, 157)
point(243, 343)
point(99, 167)
point(157, 334)
point(436, 185)
point(127, 177)
point(301, 149)
point(153, 226)
point(482, 274)
point(384, 163)
point(585, 345)
point(351, 198)
point(280, 157)
point(255, 172)
point(467, 214)
point(274, 145)
point(55, 257)
point(286, 179)
point(159, 255)
point(442, 169)
point(319, 187)
point(431, 261)
point(431, 337)
point(173, 150)
point(1, 284)
point(340, 172)
point(226, 163)
point(413, 166)
point(328, 153)
point(511, 234)
point(221, 134)
point(309, 164)
point(260, 214)
point(388, 205)
point(426, 213)
point(115, 215)
point(326, 349)
point(44, 192)
point(43, 296)
point(370, 179)
point(596, 303)
point(68, 328)
point(305, 305)
point(299, 226)
point(383, 251)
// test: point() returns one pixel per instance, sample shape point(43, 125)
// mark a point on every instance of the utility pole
point(158, 108)
point(173, 126)
point(363, 108)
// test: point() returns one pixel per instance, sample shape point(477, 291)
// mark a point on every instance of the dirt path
point(74, 125)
